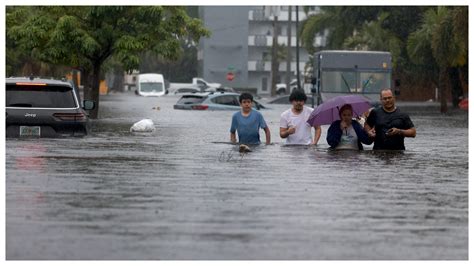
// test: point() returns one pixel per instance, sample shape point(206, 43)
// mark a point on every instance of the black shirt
point(383, 121)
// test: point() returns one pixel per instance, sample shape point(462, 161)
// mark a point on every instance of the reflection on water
point(184, 192)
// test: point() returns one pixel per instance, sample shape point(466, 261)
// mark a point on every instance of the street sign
point(230, 76)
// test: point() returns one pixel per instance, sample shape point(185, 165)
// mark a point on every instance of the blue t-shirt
point(248, 127)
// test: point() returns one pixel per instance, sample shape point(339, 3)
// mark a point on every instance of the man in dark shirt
point(388, 125)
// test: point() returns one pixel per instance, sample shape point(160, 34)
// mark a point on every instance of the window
point(201, 84)
point(373, 82)
point(40, 96)
point(190, 99)
point(266, 56)
point(264, 84)
point(352, 81)
point(151, 87)
point(226, 100)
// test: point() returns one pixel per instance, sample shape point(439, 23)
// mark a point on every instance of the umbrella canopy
point(328, 112)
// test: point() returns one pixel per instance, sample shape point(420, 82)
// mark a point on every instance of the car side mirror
point(88, 105)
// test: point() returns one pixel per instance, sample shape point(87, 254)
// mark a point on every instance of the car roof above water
point(54, 82)
point(216, 93)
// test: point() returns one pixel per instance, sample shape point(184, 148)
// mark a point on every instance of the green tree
point(181, 70)
point(373, 36)
point(436, 40)
point(338, 22)
point(86, 36)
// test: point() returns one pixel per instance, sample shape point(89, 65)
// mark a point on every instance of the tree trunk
point(443, 88)
point(94, 92)
point(456, 88)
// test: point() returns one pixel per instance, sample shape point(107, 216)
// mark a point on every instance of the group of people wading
point(385, 126)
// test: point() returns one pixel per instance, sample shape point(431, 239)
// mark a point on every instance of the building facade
point(241, 43)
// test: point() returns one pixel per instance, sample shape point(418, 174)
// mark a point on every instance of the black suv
point(45, 108)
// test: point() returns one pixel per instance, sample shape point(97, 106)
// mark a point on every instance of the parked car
point(45, 108)
point(220, 89)
point(187, 90)
point(212, 101)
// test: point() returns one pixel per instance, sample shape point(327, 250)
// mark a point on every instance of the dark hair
point(345, 107)
point(298, 95)
point(245, 96)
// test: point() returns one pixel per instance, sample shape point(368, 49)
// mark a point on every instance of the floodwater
point(182, 192)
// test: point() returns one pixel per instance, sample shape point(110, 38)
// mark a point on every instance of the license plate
point(30, 131)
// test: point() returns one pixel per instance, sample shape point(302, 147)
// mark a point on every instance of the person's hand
point(291, 130)
point(344, 125)
point(393, 131)
point(371, 133)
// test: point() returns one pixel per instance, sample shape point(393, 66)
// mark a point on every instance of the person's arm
point(233, 139)
point(285, 127)
point(285, 132)
point(361, 133)
point(370, 130)
point(267, 135)
point(233, 129)
point(369, 125)
point(317, 135)
point(334, 134)
point(410, 133)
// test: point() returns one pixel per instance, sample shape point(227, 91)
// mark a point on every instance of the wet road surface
point(182, 192)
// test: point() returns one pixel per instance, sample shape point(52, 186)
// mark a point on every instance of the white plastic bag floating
point(144, 125)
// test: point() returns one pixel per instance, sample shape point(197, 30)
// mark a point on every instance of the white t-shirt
point(348, 140)
point(302, 134)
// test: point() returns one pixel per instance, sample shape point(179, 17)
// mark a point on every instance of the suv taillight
point(70, 117)
point(200, 107)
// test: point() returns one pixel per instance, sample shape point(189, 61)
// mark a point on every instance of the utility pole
point(297, 49)
point(274, 50)
point(288, 53)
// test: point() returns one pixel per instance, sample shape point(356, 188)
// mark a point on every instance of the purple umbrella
point(328, 112)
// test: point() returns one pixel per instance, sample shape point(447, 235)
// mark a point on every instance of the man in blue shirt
point(247, 123)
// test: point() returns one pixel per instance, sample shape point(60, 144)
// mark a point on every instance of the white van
point(151, 85)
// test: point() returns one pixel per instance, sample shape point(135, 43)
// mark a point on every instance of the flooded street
point(183, 192)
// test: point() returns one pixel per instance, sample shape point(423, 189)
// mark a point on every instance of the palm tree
point(373, 36)
point(436, 42)
point(328, 20)
point(337, 23)
point(459, 16)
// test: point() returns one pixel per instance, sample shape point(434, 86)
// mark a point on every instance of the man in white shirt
point(293, 125)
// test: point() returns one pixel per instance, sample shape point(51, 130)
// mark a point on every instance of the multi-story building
point(241, 43)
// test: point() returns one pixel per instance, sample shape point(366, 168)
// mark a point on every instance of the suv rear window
point(191, 99)
point(39, 96)
point(226, 100)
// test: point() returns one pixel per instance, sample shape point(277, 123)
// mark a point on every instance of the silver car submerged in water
point(212, 101)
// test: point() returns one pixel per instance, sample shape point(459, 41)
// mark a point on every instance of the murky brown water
point(182, 192)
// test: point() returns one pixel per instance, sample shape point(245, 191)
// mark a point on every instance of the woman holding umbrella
point(346, 133)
